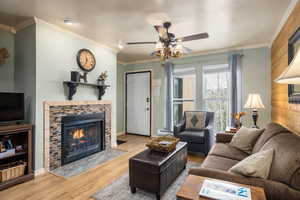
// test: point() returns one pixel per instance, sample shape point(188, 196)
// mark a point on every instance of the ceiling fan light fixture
point(158, 46)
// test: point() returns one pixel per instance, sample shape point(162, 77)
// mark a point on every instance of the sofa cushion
point(245, 138)
point(271, 130)
point(192, 136)
point(227, 151)
point(286, 162)
point(195, 120)
point(218, 162)
point(257, 165)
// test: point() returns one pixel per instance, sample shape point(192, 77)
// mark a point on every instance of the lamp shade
point(292, 73)
point(254, 102)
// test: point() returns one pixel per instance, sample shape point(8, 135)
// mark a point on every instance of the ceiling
point(230, 23)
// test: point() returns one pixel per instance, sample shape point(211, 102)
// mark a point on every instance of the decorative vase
point(101, 82)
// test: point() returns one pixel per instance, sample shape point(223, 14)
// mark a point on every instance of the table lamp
point(254, 102)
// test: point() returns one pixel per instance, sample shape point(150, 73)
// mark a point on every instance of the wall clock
point(86, 60)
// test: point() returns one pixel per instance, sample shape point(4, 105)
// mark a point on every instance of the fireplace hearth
point(82, 135)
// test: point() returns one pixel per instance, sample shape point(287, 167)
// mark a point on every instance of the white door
point(138, 103)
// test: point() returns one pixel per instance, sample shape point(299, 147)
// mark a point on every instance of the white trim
point(36, 20)
point(121, 133)
point(40, 21)
point(152, 98)
point(201, 53)
point(25, 24)
point(8, 28)
point(39, 171)
point(283, 20)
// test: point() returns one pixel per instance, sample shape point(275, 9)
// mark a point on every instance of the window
point(216, 93)
point(184, 92)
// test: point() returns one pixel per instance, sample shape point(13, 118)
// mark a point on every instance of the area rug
point(119, 189)
point(84, 164)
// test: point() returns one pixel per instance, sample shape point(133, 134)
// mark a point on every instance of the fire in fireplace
point(82, 135)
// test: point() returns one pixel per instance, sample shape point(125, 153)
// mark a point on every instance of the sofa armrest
point(274, 190)
point(223, 137)
point(226, 176)
point(178, 128)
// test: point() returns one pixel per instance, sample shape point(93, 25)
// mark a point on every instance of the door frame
point(150, 85)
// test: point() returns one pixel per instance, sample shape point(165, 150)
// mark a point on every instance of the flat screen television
point(11, 107)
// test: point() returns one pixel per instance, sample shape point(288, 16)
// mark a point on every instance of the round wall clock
point(86, 60)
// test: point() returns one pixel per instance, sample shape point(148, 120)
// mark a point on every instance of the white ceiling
point(230, 23)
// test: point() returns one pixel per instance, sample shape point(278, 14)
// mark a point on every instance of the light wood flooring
point(81, 187)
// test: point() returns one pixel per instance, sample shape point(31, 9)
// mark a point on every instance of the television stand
point(19, 135)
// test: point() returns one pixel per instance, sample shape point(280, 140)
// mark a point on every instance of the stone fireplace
point(75, 129)
point(82, 135)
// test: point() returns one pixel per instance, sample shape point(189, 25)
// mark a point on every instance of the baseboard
point(121, 133)
point(39, 171)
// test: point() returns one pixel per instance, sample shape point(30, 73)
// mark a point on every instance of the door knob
point(147, 109)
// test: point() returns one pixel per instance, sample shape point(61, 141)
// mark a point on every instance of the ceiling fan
point(168, 45)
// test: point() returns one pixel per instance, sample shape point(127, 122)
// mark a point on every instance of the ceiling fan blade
point(192, 37)
point(162, 32)
point(132, 43)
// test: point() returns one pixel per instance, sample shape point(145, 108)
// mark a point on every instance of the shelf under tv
point(14, 155)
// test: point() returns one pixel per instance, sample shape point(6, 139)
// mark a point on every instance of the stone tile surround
point(53, 112)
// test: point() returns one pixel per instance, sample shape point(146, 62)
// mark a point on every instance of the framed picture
point(293, 47)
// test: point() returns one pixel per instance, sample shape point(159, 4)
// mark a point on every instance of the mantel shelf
point(72, 85)
point(88, 84)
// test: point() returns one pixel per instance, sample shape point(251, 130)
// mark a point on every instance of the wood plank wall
point(284, 113)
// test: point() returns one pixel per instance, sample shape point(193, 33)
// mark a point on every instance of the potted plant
point(102, 77)
point(237, 119)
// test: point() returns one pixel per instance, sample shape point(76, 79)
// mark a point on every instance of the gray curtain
point(168, 68)
point(236, 83)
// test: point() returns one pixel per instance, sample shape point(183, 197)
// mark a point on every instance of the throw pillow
point(257, 165)
point(245, 138)
point(195, 120)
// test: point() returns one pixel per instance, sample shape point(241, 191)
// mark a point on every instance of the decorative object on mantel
point(76, 76)
point(86, 60)
point(3, 55)
point(102, 77)
point(164, 144)
point(237, 119)
point(254, 102)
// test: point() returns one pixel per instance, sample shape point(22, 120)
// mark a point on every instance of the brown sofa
point(283, 182)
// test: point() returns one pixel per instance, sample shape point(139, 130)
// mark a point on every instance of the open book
point(224, 191)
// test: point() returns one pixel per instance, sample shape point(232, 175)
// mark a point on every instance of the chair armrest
point(178, 128)
point(223, 137)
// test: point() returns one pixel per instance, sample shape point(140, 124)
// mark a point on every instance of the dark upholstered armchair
point(199, 140)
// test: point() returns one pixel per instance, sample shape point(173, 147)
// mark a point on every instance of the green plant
point(103, 76)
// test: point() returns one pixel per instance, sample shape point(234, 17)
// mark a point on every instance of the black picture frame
point(293, 92)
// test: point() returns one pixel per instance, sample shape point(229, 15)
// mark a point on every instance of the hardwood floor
point(52, 187)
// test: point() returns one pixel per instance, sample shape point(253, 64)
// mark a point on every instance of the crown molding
point(25, 24)
point(201, 53)
point(40, 21)
point(283, 20)
point(36, 20)
point(8, 28)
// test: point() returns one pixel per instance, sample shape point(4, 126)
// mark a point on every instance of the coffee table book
point(192, 185)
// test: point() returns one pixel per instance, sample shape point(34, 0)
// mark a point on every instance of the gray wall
point(7, 40)
point(256, 78)
point(25, 69)
point(56, 52)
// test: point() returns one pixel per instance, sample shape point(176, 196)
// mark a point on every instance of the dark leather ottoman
point(155, 171)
